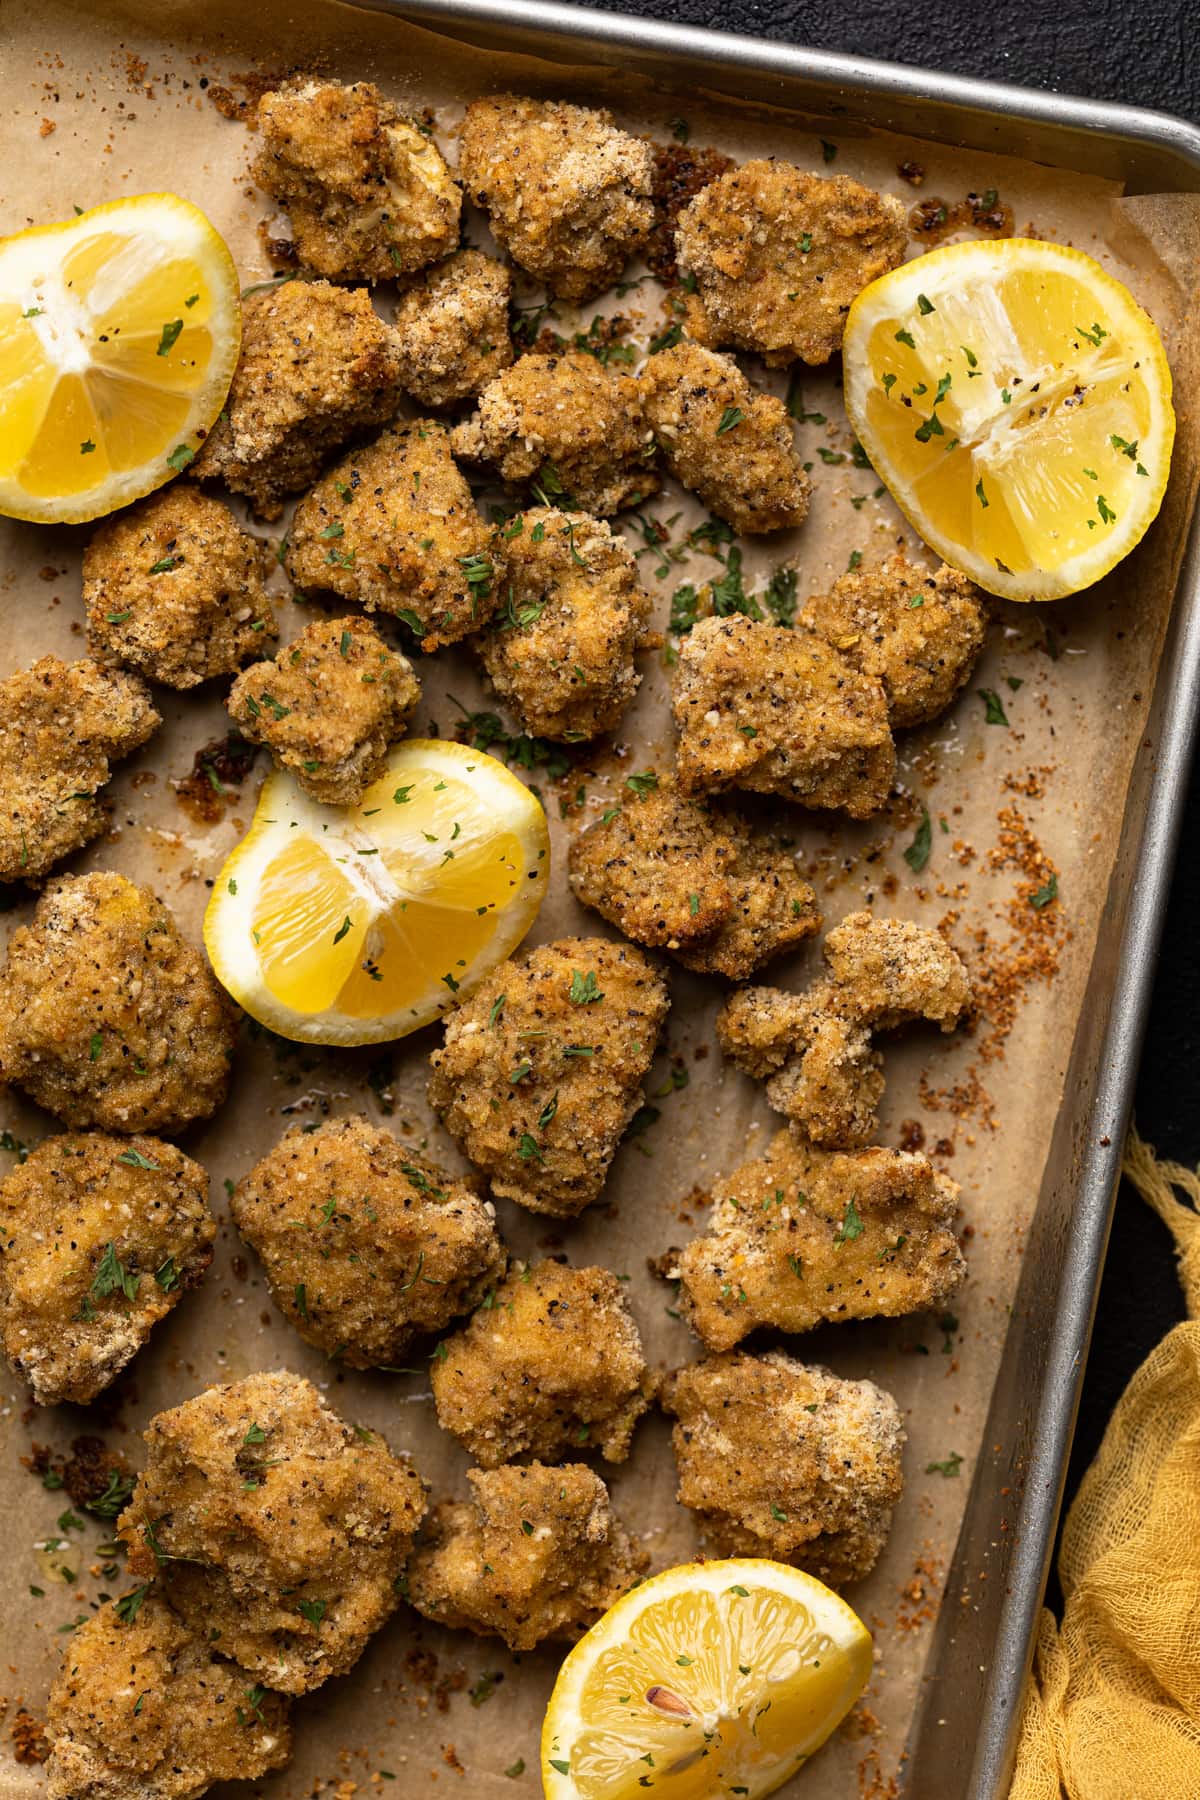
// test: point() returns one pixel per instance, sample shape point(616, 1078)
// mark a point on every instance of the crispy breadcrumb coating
point(780, 1458)
point(61, 726)
point(573, 613)
point(317, 365)
point(452, 329)
point(567, 426)
point(801, 1235)
point(778, 256)
point(108, 1016)
point(366, 1246)
point(814, 1049)
point(671, 872)
point(779, 711)
point(99, 1237)
point(367, 192)
point(552, 1362)
point(542, 1068)
point(274, 1525)
point(328, 707)
point(567, 193)
point(393, 526)
point(733, 446)
point(918, 634)
point(174, 589)
point(144, 1709)
point(536, 1554)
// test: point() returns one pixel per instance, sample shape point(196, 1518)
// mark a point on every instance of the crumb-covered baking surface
point(999, 831)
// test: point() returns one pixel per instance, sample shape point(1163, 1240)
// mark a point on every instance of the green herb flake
point(917, 853)
point(994, 713)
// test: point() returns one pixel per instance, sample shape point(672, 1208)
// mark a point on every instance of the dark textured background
point(1147, 53)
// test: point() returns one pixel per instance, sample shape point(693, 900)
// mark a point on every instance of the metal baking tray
point(963, 1739)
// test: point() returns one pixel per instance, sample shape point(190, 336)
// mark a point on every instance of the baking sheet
point(104, 102)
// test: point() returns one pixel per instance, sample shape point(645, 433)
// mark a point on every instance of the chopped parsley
point(917, 853)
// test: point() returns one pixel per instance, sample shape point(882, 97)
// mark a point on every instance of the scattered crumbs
point(29, 1738)
point(921, 1596)
point(220, 765)
point(934, 219)
point(46, 127)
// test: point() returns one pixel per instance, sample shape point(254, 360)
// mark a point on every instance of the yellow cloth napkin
point(1112, 1710)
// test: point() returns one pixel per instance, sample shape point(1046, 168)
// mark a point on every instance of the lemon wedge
point(358, 924)
point(1016, 401)
point(119, 333)
point(713, 1678)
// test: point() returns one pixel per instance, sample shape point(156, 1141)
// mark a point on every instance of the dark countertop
point(1144, 52)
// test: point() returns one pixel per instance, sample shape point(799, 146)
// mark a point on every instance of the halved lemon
point(710, 1679)
point(119, 334)
point(358, 924)
point(1016, 401)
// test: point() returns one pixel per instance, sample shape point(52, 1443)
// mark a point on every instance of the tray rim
point(1167, 745)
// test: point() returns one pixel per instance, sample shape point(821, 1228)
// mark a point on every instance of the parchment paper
point(101, 102)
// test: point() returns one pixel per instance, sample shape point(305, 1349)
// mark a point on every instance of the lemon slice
point(119, 333)
point(1016, 400)
point(352, 925)
point(710, 1679)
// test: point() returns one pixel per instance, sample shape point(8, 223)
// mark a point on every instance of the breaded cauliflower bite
point(800, 1236)
point(145, 1709)
point(723, 895)
point(573, 614)
point(536, 1554)
point(778, 256)
point(552, 1363)
point(779, 711)
point(780, 1458)
point(918, 634)
point(328, 707)
point(100, 1237)
point(452, 330)
point(393, 526)
point(815, 1049)
point(567, 426)
point(367, 1247)
point(567, 193)
point(367, 192)
point(542, 1068)
point(732, 445)
point(317, 365)
point(174, 589)
point(108, 1016)
point(62, 725)
point(275, 1528)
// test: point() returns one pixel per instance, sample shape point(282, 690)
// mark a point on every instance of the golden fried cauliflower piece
point(145, 1709)
point(328, 706)
point(393, 526)
point(732, 445)
point(452, 328)
point(108, 1016)
point(918, 634)
point(671, 872)
point(567, 426)
point(815, 1049)
point(779, 711)
point(778, 256)
point(274, 1524)
point(573, 613)
point(367, 192)
point(366, 1245)
point(174, 589)
point(567, 193)
point(61, 726)
point(550, 1363)
point(801, 1235)
point(537, 1554)
point(780, 1458)
point(541, 1069)
point(317, 365)
point(99, 1238)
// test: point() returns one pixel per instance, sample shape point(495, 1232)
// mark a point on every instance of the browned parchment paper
point(101, 101)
